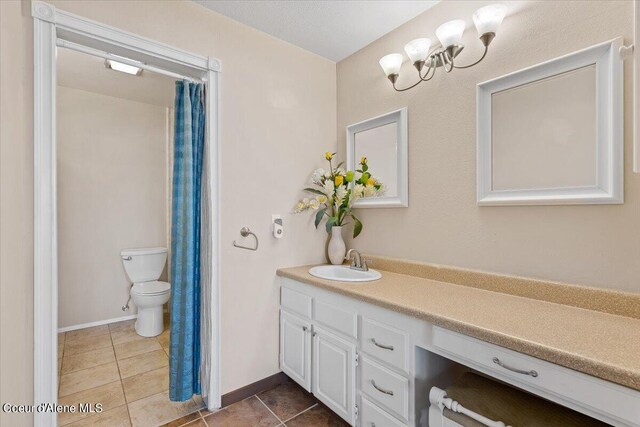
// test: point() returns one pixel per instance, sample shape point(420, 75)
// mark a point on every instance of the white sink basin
point(342, 273)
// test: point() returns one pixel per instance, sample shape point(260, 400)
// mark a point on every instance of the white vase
point(336, 249)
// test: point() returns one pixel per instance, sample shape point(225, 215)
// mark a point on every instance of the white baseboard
point(98, 323)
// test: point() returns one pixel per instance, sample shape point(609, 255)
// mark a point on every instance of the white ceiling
point(333, 29)
point(85, 72)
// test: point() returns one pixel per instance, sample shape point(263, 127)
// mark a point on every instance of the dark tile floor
point(285, 405)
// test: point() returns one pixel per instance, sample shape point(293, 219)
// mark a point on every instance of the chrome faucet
point(357, 262)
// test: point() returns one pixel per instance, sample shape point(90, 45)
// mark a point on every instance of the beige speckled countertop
point(604, 345)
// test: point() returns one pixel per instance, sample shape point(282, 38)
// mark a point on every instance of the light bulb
point(450, 33)
point(123, 68)
point(418, 49)
point(391, 63)
point(489, 18)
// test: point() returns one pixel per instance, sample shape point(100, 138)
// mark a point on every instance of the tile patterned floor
point(129, 375)
point(286, 405)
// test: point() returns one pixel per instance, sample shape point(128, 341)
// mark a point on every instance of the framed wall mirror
point(383, 140)
point(553, 133)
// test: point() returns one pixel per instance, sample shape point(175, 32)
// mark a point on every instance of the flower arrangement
point(335, 191)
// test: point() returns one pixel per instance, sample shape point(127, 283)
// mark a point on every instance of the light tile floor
point(129, 375)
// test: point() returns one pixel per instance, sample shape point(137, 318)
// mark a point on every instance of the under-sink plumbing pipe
point(439, 397)
point(126, 306)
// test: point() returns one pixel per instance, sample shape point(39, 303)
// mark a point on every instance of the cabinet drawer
point(373, 416)
point(296, 302)
point(385, 387)
point(385, 343)
point(340, 320)
point(566, 385)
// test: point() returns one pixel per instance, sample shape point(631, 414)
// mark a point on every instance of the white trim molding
point(609, 165)
point(76, 29)
point(97, 323)
point(50, 25)
point(400, 117)
point(45, 258)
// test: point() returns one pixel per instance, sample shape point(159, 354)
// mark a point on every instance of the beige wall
point(16, 210)
point(591, 245)
point(278, 106)
point(112, 194)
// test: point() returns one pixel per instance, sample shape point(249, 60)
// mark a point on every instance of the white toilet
point(144, 266)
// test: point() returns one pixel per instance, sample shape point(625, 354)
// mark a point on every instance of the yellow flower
point(322, 199)
point(339, 180)
point(363, 160)
point(328, 155)
point(371, 181)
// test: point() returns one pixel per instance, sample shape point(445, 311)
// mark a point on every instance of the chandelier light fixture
point(487, 20)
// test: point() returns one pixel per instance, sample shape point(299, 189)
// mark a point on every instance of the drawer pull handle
point(519, 371)
point(386, 347)
point(381, 390)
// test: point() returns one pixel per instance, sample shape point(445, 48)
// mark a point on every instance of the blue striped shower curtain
point(189, 135)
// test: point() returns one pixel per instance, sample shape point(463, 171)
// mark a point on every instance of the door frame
point(49, 25)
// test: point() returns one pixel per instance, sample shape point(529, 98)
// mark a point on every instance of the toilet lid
point(150, 288)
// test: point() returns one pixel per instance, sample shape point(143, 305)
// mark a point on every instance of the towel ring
point(244, 232)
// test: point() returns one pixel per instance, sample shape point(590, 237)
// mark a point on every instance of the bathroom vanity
point(371, 351)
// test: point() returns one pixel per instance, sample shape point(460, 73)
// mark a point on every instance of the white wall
point(112, 194)
point(588, 245)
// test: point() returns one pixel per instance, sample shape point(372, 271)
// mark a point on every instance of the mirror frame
point(609, 167)
point(401, 200)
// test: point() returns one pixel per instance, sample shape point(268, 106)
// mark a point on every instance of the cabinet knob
point(304, 328)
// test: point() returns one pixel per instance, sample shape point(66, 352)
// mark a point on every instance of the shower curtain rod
point(105, 55)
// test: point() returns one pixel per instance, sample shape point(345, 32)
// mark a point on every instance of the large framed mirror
point(552, 134)
point(383, 140)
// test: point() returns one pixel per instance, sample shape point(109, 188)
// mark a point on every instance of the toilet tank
point(144, 264)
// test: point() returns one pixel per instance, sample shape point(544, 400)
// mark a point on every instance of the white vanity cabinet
point(295, 349)
point(320, 335)
point(318, 351)
point(374, 367)
point(334, 373)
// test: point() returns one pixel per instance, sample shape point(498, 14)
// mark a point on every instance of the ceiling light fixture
point(123, 68)
point(487, 20)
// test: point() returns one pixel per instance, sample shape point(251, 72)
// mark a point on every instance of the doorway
point(52, 28)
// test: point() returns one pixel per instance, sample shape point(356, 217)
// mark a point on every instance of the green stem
point(333, 177)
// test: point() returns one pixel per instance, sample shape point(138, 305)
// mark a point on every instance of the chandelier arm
point(432, 65)
point(486, 49)
point(425, 78)
point(446, 59)
point(408, 87)
point(422, 78)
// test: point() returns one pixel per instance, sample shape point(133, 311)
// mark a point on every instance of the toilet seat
point(150, 288)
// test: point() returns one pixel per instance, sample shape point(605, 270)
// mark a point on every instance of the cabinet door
point(334, 368)
point(295, 349)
